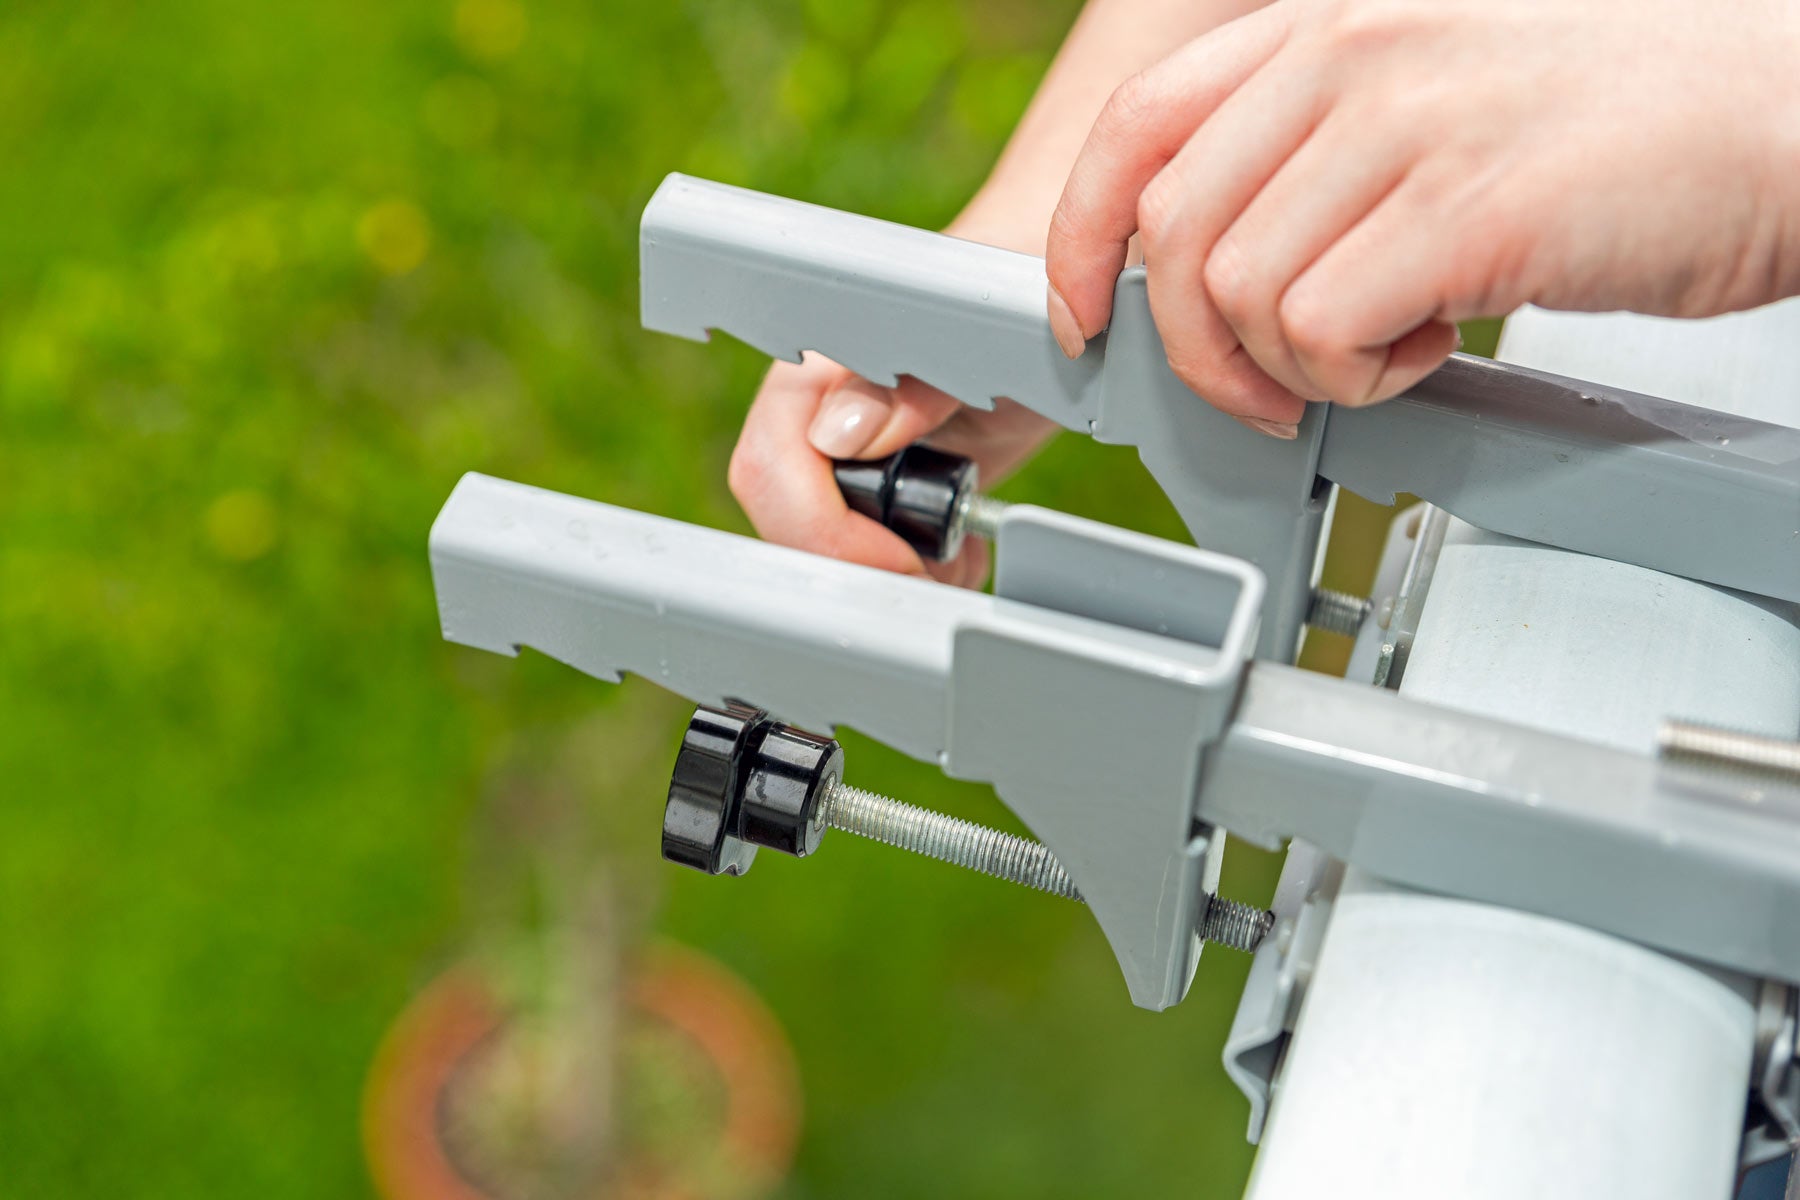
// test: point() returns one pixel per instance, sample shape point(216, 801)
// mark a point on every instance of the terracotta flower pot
point(676, 995)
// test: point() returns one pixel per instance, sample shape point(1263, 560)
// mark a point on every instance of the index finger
point(1145, 123)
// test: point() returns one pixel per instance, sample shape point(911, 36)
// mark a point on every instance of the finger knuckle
point(1229, 281)
point(1312, 326)
point(1132, 105)
point(1369, 26)
point(746, 474)
point(1198, 366)
point(1156, 209)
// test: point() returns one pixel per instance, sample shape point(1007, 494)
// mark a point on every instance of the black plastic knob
point(700, 819)
point(918, 493)
point(743, 780)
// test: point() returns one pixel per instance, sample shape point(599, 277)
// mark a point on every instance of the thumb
point(859, 419)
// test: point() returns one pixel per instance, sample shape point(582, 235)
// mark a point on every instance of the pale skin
point(1321, 190)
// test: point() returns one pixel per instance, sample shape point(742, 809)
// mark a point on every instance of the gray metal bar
point(884, 300)
point(1685, 861)
point(1585, 467)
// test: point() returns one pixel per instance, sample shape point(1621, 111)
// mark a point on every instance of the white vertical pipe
point(1453, 1049)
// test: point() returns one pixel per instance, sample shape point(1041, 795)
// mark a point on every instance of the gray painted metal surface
point(1277, 981)
point(886, 300)
point(1599, 470)
point(1692, 862)
point(1086, 690)
point(1581, 466)
point(1108, 665)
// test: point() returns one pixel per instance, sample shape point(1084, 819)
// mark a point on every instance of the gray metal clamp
point(1106, 691)
point(1106, 688)
point(1577, 465)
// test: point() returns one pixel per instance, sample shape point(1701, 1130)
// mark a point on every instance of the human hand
point(809, 413)
point(1323, 188)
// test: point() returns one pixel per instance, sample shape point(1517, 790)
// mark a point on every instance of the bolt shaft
point(981, 514)
point(1231, 923)
point(1337, 612)
point(1711, 746)
point(1005, 856)
point(948, 839)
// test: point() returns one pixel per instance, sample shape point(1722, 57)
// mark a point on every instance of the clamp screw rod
point(1337, 612)
point(1004, 856)
point(947, 839)
point(1711, 746)
point(744, 780)
point(1236, 924)
point(980, 514)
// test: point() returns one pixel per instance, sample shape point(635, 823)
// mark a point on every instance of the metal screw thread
point(1231, 923)
point(981, 514)
point(1004, 856)
point(1711, 746)
point(947, 839)
point(1337, 612)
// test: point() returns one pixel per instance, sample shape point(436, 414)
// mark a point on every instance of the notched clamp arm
point(1086, 689)
point(886, 300)
point(1589, 468)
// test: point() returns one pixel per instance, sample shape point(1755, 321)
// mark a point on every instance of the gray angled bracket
point(1086, 689)
point(1571, 464)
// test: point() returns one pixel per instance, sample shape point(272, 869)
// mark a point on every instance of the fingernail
point(1275, 429)
point(1063, 325)
point(847, 421)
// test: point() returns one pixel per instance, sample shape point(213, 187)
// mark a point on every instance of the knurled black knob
point(742, 780)
point(700, 819)
point(919, 493)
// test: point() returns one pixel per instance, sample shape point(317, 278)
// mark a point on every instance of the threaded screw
point(1729, 749)
point(947, 839)
point(1005, 856)
point(1337, 612)
point(980, 514)
point(743, 780)
point(1235, 924)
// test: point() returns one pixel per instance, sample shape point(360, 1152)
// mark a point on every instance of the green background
point(272, 276)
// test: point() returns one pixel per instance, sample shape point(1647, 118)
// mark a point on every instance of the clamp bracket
point(1103, 667)
point(1577, 465)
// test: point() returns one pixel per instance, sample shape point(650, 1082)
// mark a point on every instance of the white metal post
point(1453, 1049)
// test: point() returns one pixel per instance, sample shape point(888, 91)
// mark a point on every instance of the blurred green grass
point(271, 278)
